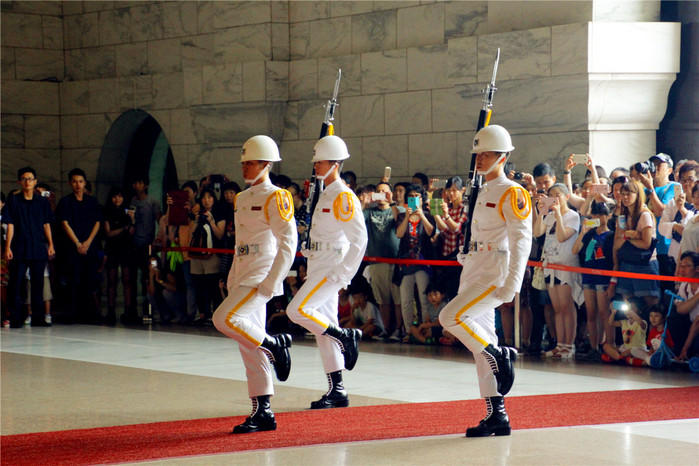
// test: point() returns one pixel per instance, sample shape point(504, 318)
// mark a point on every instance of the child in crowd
point(344, 308)
point(641, 356)
point(430, 330)
point(633, 330)
point(365, 315)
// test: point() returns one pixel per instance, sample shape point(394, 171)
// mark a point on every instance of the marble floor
point(69, 377)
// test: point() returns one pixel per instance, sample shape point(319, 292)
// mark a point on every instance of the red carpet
point(208, 436)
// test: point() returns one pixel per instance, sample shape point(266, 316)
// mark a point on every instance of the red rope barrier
point(448, 263)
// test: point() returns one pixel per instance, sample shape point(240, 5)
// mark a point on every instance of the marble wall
point(213, 73)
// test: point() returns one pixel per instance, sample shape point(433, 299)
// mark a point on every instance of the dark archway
point(136, 146)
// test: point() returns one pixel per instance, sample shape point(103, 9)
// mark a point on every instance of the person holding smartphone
point(679, 210)
point(493, 272)
point(118, 247)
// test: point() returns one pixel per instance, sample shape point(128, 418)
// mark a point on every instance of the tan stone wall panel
point(181, 127)
point(42, 132)
point(374, 31)
point(330, 37)
point(143, 92)
point(11, 131)
point(69, 131)
point(222, 83)
point(75, 97)
point(307, 11)
point(280, 11)
point(132, 59)
point(310, 114)
point(254, 81)
point(91, 130)
point(147, 22)
point(81, 30)
point(427, 67)
point(100, 62)
point(569, 49)
point(104, 95)
point(75, 64)
point(198, 50)
point(47, 163)
point(434, 154)
point(21, 30)
point(351, 83)
point(97, 5)
point(38, 64)
point(244, 43)
point(126, 88)
point(421, 25)
point(452, 108)
point(52, 32)
point(168, 90)
point(464, 19)
point(46, 7)
point(280, 41)
point(384, 72)
point(115, 26)
point(164, 56)
point(291, 122)
point(71, 8)
point(523, 54)
point(296, 159)
point(277, 81)
point(7, 65)
point(363, 115)
point(303, 79)
point(85, 158)
point(385, 151)
point(206, 11)
point(462, 60)
point(230, 14)
point(179, 19)
point(408, 112)
point(345, 8)
point(299, 40)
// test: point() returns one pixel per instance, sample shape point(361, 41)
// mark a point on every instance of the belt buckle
point(315, 246)
point(243, 250)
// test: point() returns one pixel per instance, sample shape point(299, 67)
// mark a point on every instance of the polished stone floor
point(69, 377)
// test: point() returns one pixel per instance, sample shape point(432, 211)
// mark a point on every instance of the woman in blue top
point(595, 246)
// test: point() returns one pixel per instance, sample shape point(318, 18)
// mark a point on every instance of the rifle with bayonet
point(475, 180)
point(313, 187)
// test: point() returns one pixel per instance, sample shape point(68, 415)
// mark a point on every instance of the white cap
point(330, 148)
point(262, 148)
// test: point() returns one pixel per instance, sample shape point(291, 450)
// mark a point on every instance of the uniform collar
point(266, 184)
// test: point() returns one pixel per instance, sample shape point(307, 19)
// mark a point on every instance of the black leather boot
point(496, 422)
point(261, 419)
point(348, 338)
point(336, 397)
point(276, 347)
point(501, 359)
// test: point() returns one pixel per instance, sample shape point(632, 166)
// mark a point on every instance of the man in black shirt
point(80, 216)
point(29, 245)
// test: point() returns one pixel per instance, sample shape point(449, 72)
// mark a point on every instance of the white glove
point(264, 292)
point(305, 252)
point(505, 294)
point(333, 278)
point(461, 258)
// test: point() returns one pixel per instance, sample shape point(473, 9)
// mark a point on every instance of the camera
point(46, 193)
point(517, 176)
point(644, 167)
point(154, 263)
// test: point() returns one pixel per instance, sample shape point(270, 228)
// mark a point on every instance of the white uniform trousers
point(315, 307)
point(470, 317)
point(242, 317)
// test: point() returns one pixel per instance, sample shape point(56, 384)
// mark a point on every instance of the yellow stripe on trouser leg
point(307, 298)
point(234, 310)
point(468, 306)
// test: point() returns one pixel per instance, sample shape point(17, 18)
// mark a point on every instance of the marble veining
point(374, 31)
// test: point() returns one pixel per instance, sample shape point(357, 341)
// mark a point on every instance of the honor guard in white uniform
point(335, 249)
point(493, 269)
point(265, 248)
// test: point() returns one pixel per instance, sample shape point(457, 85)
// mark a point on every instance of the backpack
point(201, 238)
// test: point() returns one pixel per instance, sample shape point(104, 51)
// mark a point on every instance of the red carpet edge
point(211, 436)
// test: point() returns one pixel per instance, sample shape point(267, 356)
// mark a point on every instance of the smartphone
point(292, 273)
point(545, 203)
point(599, 189)
point(48, 193)
point(413, 202)
point(622, 306)
point(678, 190)
point(154, 263)
point(439, 184)
point(178, 213)
point(378, 196)
point(580, 158)
point(622, 222)
point(591, 222)
point(540, 191)
point(436, 206)
point(387, 173)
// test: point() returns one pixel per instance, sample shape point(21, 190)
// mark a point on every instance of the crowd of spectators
point(642, 219)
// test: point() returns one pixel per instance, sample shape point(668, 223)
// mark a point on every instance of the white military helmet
point(330, 148)
point(493, 138)
point(262, 148)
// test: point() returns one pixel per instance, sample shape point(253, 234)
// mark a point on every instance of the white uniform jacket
point(265, 235)
point(338, 234)
point(501, 234)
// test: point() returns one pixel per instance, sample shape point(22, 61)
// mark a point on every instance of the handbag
point(538, 278)
point(636, 256)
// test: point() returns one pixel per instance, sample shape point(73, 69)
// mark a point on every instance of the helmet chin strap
point(330, 170)
point(259, 175)
point(502, 158)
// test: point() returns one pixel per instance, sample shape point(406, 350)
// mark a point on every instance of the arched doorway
point(135, 146)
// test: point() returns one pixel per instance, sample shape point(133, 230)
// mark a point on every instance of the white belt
point(245, 249)
point(323, 246)
point(482, 246)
